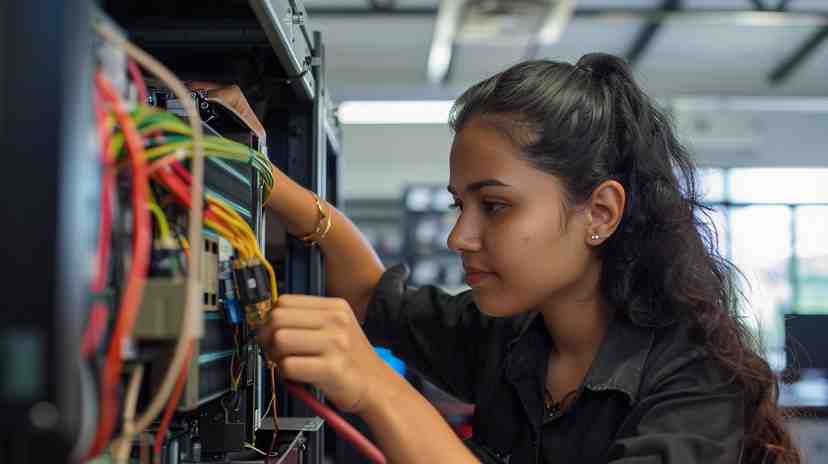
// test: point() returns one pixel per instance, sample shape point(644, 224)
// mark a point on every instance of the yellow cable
point(163, 225)
point(269, 268)
point(269, 406)
point(223, 213)
point(228, 235)
point(255, 247)
point(233, 220)
point(252, 238)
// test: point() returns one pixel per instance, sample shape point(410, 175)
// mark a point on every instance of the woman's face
point(520, 248)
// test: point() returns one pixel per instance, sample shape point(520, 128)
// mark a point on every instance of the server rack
point(265, 46)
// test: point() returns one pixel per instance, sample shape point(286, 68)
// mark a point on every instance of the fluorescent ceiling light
point(395, 112)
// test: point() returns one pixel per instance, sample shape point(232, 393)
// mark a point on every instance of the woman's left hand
point(318, 340)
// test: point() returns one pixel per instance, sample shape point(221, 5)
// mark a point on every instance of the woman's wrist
point(383, 393)
point(293, 204)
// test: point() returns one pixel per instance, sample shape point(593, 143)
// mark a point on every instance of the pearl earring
point(595, 236)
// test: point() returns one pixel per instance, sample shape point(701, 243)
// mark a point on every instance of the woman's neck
point(577, 320)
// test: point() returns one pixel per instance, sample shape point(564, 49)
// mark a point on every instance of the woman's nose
point(464, 237)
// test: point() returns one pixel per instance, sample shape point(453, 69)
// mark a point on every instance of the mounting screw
point(44, 415)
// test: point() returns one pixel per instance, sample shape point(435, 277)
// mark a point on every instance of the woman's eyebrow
point(475, 186)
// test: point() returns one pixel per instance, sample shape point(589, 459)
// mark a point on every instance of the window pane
point(812, 258)
point(712, 185)
point(761, 250)
point(779, 185)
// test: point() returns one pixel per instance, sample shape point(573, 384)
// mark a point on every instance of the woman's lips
point(476, 277)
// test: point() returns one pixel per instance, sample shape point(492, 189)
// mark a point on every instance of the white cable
point(192, 325)
point(122, 445)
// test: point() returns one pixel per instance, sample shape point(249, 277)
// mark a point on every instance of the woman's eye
point(492, 207)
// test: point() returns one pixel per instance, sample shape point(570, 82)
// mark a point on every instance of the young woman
point(601, 323)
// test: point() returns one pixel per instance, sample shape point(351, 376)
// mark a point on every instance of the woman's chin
point(492, 306)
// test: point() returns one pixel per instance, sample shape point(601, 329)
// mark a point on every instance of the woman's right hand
point(318, 340)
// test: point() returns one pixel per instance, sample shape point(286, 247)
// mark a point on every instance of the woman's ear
point(604, 210)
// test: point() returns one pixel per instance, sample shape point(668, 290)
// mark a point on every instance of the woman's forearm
point(352, 268)
point(408, 429)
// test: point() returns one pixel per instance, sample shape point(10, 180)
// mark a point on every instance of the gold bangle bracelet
point(322, 227)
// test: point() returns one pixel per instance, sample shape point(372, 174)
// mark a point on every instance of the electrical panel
point(126, 307)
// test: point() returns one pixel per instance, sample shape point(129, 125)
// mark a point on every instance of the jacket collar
point(619, 362)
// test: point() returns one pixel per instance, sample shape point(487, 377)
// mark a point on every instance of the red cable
point(135, 73)
point(172, 403)
point(141, 243)
point(181, 191)
point(182, 172)
point(95, 328)
point(97, 314)
point(345, 429)
point(104, 229)
point(185, 175)
point(174, 185)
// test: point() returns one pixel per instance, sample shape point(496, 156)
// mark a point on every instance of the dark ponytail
point(589, 123)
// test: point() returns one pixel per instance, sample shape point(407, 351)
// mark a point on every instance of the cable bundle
point(108, 103)
point(151, 145)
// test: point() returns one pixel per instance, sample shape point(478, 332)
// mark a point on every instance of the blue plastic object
point(396, 363)
point(232, 311)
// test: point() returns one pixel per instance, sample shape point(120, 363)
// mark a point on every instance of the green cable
point(147, 117)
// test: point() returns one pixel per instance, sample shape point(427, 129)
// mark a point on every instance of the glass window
point(712, 185)
point(779, 185)
point(812, 259)
point(761, 246)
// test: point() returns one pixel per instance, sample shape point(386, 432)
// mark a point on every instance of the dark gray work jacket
point(651, 395)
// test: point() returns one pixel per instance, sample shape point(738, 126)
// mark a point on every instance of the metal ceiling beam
point(383, 5)
point(790, 64)
point(648, 32)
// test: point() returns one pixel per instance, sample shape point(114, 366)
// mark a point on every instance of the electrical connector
point(229, 301)
point(166, 257)
point(209, 273)
point(252, 285)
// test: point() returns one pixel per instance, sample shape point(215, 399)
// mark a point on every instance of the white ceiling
point(384, 56)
